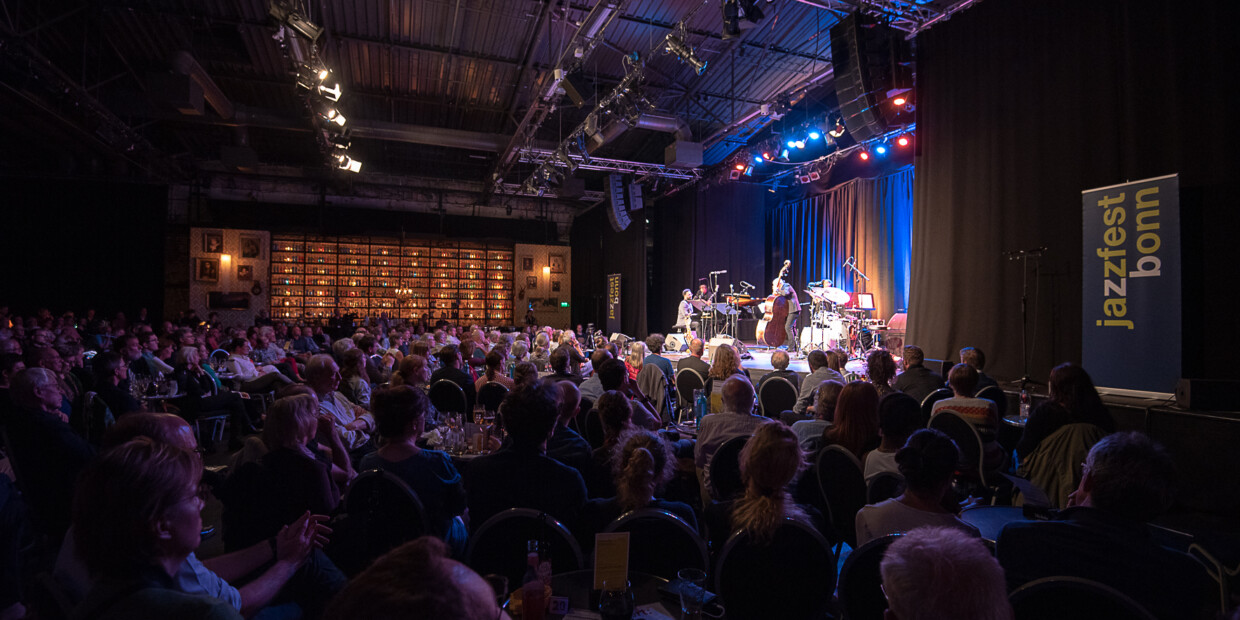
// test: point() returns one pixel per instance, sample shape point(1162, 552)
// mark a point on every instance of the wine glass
point(615, 602)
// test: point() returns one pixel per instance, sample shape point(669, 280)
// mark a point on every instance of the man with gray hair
point(941, 572)
point(47, 455)
point(1127, 480)
point(352, 423)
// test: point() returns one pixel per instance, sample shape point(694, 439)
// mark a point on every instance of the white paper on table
point(611, 558)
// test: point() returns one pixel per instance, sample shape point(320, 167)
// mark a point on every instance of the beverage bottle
point(1024, 404)
point(532, 603)
point(702, 406)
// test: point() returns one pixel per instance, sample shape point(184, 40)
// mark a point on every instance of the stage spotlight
point(331, 94)
point(766, 155)
point(757, 159)
point(800, 144)
point(792, 144)
point(344, 162)
point(902, 140)
point(783, 155)
point(677, 46)
point(899, 101)
point(285, 11)
point(566, 160)
point(838, 130)
point(312, 76)
point(749, 171)
point(740, 166)
point(329, 113)
point(864, 156)
point(814, 135)
point(880, 149)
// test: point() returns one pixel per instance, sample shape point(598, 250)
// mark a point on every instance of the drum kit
point(835, 325)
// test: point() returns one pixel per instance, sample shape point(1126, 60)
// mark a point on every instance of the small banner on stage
point(613, 303)
point(1130, 302)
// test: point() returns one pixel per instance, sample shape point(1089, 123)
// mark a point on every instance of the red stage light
point(899, 101)
point(740, 166)
point(902, 141)
point(865, 156)
point(766, 156)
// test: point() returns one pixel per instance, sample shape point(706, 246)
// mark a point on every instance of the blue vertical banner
point(1130, 278)
point(613, 303)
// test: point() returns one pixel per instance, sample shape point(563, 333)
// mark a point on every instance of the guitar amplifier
point(740, 347)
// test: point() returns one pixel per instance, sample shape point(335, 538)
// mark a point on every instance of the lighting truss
point(909, 16)
point(514, 189)
point(548, 157)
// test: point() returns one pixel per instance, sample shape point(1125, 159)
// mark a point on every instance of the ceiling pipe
point(185, 63)
point(665, 123)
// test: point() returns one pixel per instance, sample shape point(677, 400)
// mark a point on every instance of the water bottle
point(701, 405)
point(1024, 405)
point(533, 604)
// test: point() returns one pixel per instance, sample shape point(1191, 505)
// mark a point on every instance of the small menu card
point(611, 558)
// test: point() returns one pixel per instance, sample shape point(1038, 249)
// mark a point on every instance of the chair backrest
point(499, 545)
point(861, 592)
point(967, 440)
point(789, 577)
point(95, 419)
point(883, 486)
point(927, 403)
point(491, 395)
point(996, 395)
point(1074, 598)
point(842, 484)
point(383, 514)
point(776, 396)
point(661, 543)
point(448, 397)
point(687, 380)
point(725, 468)
point(218, 357)
point(593, 428)
point(849, 377)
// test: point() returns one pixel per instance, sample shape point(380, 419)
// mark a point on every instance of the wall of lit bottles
point(313, 277)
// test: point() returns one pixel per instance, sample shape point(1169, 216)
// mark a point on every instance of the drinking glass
point(692, 593)
point(615, 602)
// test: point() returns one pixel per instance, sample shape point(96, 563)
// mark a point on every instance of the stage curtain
point(1022, 105)
point(866, 218)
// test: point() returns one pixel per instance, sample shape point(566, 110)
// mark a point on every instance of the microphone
point(701, 279)
point(715, 273)
point(747, 285)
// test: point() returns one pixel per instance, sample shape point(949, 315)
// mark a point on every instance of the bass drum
point(837, 332)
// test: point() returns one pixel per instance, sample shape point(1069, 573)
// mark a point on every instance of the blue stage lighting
point(792, 144)
point(800, 144)
point(880, 149)
point(814, 135)
point(757, 159)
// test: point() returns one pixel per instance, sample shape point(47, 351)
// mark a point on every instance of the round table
point(578, 587)
point(1014, 419)
point(989, 520)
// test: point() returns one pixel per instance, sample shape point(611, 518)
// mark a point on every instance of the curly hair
point(880, 367)
point(642, 463)
point(725, 362)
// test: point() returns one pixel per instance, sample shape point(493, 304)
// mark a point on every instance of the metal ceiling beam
point(538, 156)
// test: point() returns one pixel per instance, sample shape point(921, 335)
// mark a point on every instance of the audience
point(561, 367)
point(520, 474)
point(635, 359)
point(494, 371)
point(567, 445)
point(855, 427)
point(819, 371)
point(654, 346)
point(933, 573)
point(400, 418)
point(694, 361)
point(899, 416)
point(779, 361)
point(736, 420)
point(614, 377)
point(1128, 480)
point(112, 384)
point(351, 423)
point(726, 363)
point(354, 380)
point(253, 378)
point(981, 414)
point(975, 358)
point(927, 462)
point(642, 464)
point(1072, 400)
point(809, 432)
point(450, 368)
point(881, 369)
point(917, 381)
point(770, 462)
point(592, 387)
point(203, 398)
point(417, 580)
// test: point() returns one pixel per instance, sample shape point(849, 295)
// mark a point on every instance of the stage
point(760, 362)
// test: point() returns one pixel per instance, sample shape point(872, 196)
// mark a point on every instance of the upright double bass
point(771, 328)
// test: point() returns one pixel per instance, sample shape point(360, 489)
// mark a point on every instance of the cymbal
point(856, 367)
point(815, 296)
point(835, 295)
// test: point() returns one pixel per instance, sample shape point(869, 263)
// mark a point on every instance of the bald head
point(696, 347)
point(737, 395)
point(568, 402)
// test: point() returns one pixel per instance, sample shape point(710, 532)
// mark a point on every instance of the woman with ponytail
point(642, 464)
point(494, 362)
point(927, 462)
point(770, 462)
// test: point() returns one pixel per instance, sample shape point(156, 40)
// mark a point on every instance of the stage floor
point(759, 364)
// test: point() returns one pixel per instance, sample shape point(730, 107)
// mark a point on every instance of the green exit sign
point(563, 304)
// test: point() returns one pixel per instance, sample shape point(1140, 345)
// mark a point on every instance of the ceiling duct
point(664, 123)
point(185, 64)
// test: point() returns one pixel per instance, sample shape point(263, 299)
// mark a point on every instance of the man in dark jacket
point(917, 380)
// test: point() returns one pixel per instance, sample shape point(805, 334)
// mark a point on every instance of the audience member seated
point(939, 572)
point(137, 519)
point(654, 344)
point(417, 580)
point(520, 474)
point(592, 387)
point(982, 414)
point(779, 361)
point(809, 432)
point(302, 342)
point(614, 377)
point(112, 384)
point(524, 373)
point(10, 365)
point(977, 359)
point(770, 462)
point(642, 464)
point(413, 370)
point(561, 367)
point(881, 369)
point(47, 455)
point(450, 369)
point(284, 573)
point(140, 359)
point(694, 360)
point(400, 416)
point(354, 382)
point(819, 371)
point(203, 396)
point(927, 463)
point(1072, 400)
point(254, 379)
point(352, 424)
point(378, 363)
point(615, 413)
point(899, 416)
point(855, 427)
point(1128, 480)
point(917, 380)
point(736, 420)
point(567, 445)
point(634, 361)
point(493, 371)
point(726, 363)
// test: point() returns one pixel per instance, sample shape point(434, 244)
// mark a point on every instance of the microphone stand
point(1023, 256)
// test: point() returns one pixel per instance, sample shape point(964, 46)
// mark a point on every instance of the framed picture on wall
point(206, 269)
point(557, 263)
point(251, 247)
point(531, 281)
point(527, 263)
point(555, 286)
point(245, 272)
point(212, 242)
